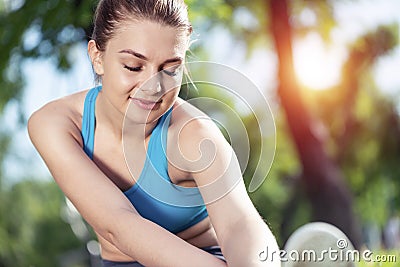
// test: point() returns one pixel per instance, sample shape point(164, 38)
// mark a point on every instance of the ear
point(96, 57)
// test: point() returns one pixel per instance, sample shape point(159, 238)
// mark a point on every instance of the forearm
point(246, 240)
point(152, 245)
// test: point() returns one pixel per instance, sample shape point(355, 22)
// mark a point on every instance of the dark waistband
point(214, 250)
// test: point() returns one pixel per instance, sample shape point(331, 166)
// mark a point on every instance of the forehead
point(151, 39)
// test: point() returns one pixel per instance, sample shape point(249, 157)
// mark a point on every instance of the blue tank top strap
point(157, 149)
point(89, 120)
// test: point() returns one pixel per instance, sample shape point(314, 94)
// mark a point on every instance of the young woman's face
point(142, 68)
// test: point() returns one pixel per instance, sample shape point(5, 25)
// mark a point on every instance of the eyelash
point(170, 73)
point(136, 69)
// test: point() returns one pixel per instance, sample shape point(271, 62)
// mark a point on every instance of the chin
point(138, 115)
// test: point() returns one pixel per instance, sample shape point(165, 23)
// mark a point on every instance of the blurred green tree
point(329, 197)
point(32, 232)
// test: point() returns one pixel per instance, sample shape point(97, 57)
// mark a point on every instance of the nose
point(152, 83)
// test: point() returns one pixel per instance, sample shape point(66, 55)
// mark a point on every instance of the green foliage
point(245, 20)
point(207, 13)
point(373, 139)
point(313, 16)
point(372, 167)
point(31, 227)
point(38, 29)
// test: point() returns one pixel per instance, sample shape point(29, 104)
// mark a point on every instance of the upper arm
point(58, 141)
point(213, 165)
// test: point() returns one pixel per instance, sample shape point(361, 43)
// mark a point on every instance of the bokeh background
point(329, 69)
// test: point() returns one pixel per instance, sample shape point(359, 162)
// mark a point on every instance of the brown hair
point(110, 13)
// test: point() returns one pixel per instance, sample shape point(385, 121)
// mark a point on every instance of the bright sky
point(45, 83)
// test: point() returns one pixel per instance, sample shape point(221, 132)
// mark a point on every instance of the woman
point(82, 139)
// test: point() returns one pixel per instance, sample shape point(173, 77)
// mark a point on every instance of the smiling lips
point(146, 104)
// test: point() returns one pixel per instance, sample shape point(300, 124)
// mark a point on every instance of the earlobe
point(96, 57)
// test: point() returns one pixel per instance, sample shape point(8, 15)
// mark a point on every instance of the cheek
point(116, 76)
point(114, 72)
point(127, 80)
point(171, 94)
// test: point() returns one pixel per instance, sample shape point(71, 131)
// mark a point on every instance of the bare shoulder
point(194, 138)
point(61, 115)
point(189, 122)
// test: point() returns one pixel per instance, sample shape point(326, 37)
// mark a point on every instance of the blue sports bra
point(153, 195)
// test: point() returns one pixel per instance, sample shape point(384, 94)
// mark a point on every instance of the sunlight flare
point(316, 65)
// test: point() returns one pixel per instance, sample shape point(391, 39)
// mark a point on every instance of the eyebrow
point(140, 56)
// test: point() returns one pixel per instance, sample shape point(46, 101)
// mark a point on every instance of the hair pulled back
point(111, 13)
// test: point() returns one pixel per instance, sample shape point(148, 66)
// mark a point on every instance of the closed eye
point(135, 69)
point(172, 71)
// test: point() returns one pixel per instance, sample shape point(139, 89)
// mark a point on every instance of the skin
point(131, 57)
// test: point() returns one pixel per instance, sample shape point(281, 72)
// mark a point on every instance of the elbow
point(31, 125)
point(114, 235)
point(36, 126)
point(120, 229)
